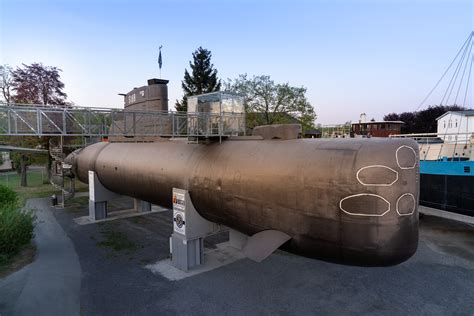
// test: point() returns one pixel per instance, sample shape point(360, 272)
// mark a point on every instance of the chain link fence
point(36, 176)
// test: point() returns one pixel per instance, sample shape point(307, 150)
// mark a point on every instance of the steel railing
point(41, 120)
point(435, 146)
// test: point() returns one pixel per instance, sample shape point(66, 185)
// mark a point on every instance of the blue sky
point(352, 56)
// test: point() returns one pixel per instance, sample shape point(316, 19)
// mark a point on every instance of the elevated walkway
point(118, 125)
point(41, 120)
point(22, 149)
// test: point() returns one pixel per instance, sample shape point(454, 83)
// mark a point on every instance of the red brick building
point(376, 129)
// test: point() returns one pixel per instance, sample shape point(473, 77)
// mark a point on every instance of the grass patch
point(81, 201)
point(40, 191)
point(38, 185)
point(116, 241)
point(43, 190)
point(12, 180)
point(77, 204)
point(81, 186)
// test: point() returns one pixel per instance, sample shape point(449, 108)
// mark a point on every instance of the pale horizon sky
point(352, 56)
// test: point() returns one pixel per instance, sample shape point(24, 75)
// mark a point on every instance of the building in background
point(376, 129)
point(5, 162)
point(314, 133)
point(456, 125)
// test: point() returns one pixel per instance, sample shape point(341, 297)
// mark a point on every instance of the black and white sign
point(179, 222)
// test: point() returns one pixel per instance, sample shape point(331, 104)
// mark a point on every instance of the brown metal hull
point(351, 201)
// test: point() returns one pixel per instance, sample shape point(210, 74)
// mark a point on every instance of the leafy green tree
point(21, 160)
point(202, 79)
point(38, 84)
point(267, 102)
point(35, 84)
point(423, 121)
point(6, 82)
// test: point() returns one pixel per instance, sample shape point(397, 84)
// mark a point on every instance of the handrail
point(73, 121)
point(429, 134)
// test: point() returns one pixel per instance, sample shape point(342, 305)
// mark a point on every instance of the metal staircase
point(59, 178)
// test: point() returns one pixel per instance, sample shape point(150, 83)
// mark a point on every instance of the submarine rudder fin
point(262, 244)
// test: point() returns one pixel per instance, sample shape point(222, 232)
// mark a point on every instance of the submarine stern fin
point(262, 244)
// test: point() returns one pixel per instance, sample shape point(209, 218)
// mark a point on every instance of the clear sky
point(352, 56)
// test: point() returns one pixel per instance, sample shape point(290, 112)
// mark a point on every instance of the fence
point(335, 131)
point(434, 146)
point(23, 120)
point(35, 177)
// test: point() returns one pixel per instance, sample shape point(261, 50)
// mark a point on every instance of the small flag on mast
point(160, 60)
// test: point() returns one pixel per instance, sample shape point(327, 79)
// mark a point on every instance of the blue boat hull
point(448, 185)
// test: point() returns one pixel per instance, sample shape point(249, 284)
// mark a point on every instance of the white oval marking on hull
point(414, 204)
point(362, 214)
point(398, 160)
point(377, 184)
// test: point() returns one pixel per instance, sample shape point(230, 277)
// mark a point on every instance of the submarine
point(348, 201)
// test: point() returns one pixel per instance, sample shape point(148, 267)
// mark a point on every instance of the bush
point(16, 230)
point(7, 196)
point(16, 225)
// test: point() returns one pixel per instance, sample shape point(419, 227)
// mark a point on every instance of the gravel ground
point(439, 279)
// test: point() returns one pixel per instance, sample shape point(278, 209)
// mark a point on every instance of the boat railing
point(434, 146)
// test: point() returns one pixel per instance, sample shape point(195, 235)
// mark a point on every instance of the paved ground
point(51, 284)
point(438, 280)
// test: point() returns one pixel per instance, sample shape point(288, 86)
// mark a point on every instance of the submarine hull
point(350, 201)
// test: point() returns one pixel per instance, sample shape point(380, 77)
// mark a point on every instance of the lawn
point(36, 187)
point(12, 180)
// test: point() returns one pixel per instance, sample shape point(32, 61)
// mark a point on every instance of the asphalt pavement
point(51, 284)
point(437, 280)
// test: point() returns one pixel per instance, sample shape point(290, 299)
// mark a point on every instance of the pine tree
point(203, 78)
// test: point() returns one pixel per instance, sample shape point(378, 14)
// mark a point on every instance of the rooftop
point(462, 113)
point(379, 122)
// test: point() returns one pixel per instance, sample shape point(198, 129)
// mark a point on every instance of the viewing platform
point(50, 120)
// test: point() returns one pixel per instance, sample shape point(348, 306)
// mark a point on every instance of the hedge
point(16, 225)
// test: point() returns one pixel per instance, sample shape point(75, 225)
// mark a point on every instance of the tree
point(38, 84)
point(409, 119)
point(203, 78)
point(268, 103)
point(423, 121)
point(6, 82)
point(426, 119)
point(391, 117)
point(35, 84)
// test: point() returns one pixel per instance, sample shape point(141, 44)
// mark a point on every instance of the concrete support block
point(97, 210)
point(189, 231)
point(186, 254)
point(141, 206)
point(98, 197)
